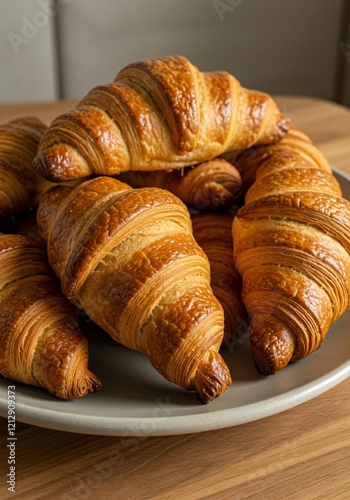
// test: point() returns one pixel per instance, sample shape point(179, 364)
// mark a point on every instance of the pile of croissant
point(180, 212)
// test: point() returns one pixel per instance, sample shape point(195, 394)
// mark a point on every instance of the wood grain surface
point(300, 453)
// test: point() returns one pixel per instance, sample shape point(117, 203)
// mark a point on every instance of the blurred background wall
point(53, 49)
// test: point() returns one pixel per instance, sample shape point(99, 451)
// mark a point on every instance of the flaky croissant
point(20, 184)
point(158, 114)
point(214, 184)
point(291, 247)
point(128, 258)
point(294, 150)
point(212, 231)
point(40, 341)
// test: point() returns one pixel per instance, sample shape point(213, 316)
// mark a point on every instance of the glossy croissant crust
point(212, 185)
point(40, 341)
point(158, 114)
point(212, 231)
point(20, 184)
point(128, 258)
point(292, 249)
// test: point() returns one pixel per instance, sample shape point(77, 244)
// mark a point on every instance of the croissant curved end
point(88, 382)
point(279, 128)
point(212, 377)
point(45, 168)
point(62, 366)
point(272, 343)
point(60, 163)
point(284, 124)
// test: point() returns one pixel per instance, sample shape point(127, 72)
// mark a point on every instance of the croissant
point(212, 231)
point(127, 257)
point(291, 247)
point(158, 114)
point(20, 184)
point(40, 341)
point(214, 184)
point(295, 149)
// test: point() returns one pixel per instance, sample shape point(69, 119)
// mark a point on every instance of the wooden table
point(300, 453)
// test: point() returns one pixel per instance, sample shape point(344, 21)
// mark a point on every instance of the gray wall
point(60, 49)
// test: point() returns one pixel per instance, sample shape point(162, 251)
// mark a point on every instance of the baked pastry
point(212, 185)
point(291, 247)
point(127, 257)
point(40, 341)
point(212, 231)
point(158, 114)
point(20, 184)
point(295, 149)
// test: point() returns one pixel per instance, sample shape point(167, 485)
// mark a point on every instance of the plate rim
point(180, 424)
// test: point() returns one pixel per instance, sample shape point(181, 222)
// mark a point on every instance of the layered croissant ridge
point(292, 248)
point(20, 184)
point(213, 184)
point(128, 258)
point(212, 232)
point(295, 149)
point(158, 114)
point(40, 341)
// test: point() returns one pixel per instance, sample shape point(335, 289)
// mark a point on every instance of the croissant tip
point(212, 378)
point(272, 344)
point(285, 124)
point(47, 169)
point(263, 365)
point(95, 382)
point(89, 383)
point(41, 166)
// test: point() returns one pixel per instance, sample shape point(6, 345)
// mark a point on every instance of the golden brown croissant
point(40, 341)
point(295, 149)
point(212, 231)
point(291, 247)
point(20, 184)
point(158, 114)
point(128, 258)
point(214, 184)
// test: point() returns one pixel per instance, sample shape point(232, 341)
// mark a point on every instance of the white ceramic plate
point(136, 400)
